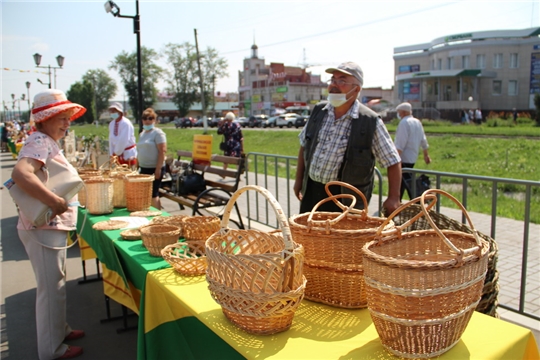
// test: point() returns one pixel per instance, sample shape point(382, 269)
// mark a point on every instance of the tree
point(183, 74)
point(104, 88)
point(126, 65)
point(83, 93)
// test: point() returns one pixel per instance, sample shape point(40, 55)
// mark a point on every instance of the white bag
point(58, 178)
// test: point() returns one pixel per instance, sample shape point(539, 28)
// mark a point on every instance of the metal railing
point(274, 172)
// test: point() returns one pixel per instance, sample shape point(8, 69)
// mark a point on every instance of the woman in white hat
point(52, 114)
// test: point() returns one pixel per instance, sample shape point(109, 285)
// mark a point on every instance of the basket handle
point(280, 215)
point(363, 213)
point(400, 209)
point(334, 198)
point(461, 252)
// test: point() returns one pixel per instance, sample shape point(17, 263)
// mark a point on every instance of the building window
point(436, 88)
point(497, 61)
point(297, 97)
point(514, 61)
point(439, 64)
point(481, 61)
point(465, 61)
point(512, 88)
point(450, 63)
point(497, 87)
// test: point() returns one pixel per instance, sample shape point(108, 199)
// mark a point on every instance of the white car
point(287, 120)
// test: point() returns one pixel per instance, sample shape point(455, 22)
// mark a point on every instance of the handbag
point(57, 178)
point(190, 182)
point(223, 145)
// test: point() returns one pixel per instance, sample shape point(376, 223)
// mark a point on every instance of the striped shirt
point(332, 144)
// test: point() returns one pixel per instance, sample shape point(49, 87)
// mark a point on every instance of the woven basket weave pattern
point(200, 228)
point(186, 259)
point(422, 286)
point(138, 190)
point(99, 196)
point(156, 236)
point(255, 276)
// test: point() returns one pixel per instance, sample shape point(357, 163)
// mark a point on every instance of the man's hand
point(390, 205)
point(298, 189)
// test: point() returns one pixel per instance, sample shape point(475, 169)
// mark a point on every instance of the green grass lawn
point(514, 157)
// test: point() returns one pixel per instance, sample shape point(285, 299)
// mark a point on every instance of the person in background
point(234, 140)
point(515, 115)
point(4, 134)
point(52, 114)
point(478, 117)
point(410, 137)
point(152, 148)
point(122, 136)
point(341, 141)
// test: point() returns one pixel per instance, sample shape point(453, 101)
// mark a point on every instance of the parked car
point(300, 121)
point(242, 121)
point(214, 122)
point(287, 120)
point(199, 123)
point(184, 122)
point(256, 120)
point(270, 122)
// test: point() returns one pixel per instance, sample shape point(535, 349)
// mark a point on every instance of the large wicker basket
point(156, 236)
point(99, 195)
point(118, 175)
point(423, 286)
point(333, 245)
point(489, 301)
point(255, 276)
point(197, 229)
point(138, 190)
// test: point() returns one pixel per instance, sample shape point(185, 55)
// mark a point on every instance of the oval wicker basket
point(256, 276)
point(186, 259)
point(138, 190)
point(423, 286)
point(156, 236)
point(175, 220)
point(99, 196)
point(197, 229)
point(333, 245)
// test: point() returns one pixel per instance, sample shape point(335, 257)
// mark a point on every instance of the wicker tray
point(255, 276)
point(333, 244)
point(99, 192)
point(110, 225)
point(138, 189)
point(423, 286)
point(131, 234)
point(145, 213)
point(156, 236)
point(186, 259)
point(489, 301)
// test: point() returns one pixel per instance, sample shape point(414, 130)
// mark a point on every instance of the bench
point(219, 186)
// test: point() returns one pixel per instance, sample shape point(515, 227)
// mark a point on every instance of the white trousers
point(50, 270)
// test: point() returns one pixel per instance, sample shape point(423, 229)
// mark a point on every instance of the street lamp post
point(59, 60)
point(111, 7)
point(28, 95)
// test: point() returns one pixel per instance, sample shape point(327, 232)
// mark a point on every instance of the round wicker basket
point(175, 220)
point(99, 192)
point(138, 190)
point(197, 229)
point(186, 259)
point(156, 236)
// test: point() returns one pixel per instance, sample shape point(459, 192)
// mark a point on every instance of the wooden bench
point(219, 188)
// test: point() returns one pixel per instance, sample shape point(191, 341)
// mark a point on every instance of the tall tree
point(104, 88)
point(83, 93)
point(126, 65)
point(183, 74)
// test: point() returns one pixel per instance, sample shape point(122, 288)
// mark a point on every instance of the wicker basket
point(138, 190)
point(99, 196)
point(175, 220)
point(333, 244)
point(424, 285)
point(186, 259)
point(119, 197)
point(81, 195)
point(197, 229)
point(156, 236)
point(255, 276)
point(488, 303)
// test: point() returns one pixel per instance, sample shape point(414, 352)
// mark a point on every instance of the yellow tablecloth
point(318, 331)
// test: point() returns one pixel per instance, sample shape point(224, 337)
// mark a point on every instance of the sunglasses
point(148, 118)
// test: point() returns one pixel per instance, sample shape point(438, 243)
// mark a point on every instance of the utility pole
point(205, 122)
point(214, 96)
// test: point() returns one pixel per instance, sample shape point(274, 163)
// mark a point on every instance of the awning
point(447, 73)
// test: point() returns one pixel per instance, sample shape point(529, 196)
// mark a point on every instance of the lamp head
point(28, 84)
point(60, 60)
point(37, 59)
point(39, 81)
point(111, 7)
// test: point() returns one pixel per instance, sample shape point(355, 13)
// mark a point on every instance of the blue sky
point(319, 33)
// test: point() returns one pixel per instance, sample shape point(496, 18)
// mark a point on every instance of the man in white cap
point(410, 137)
point(341, 141)
point(122, 136)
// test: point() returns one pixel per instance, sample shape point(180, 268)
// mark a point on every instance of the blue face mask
point(114, 116)
point(148, 127)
